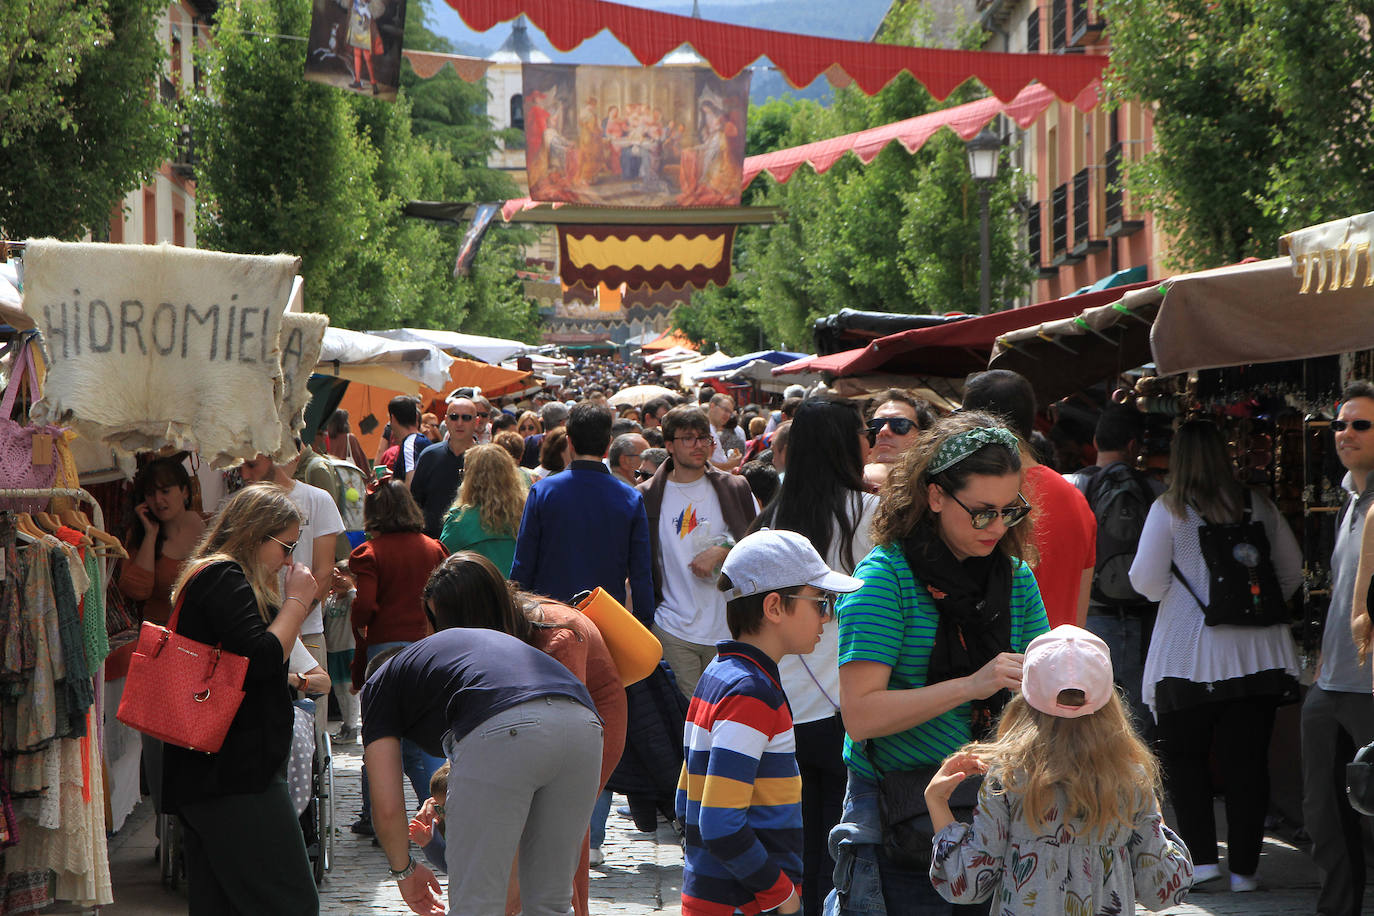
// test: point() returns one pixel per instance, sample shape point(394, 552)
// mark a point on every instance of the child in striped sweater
point(739, 795)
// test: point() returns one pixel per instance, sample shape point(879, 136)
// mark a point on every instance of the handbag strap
point(23, 365)
point(1178, 574)
point(181, 598)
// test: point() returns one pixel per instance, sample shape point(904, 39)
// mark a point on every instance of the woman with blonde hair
point(1222, 683)
point(245, 852)
point(930, 647)
point(528, 424)
point(485, 517)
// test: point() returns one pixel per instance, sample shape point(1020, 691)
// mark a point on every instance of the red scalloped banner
point(652, 35)
point(965, 120)
point(667, 268)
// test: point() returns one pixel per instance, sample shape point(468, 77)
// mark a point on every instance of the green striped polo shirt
point(892, 620)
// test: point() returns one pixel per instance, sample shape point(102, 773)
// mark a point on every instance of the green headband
point(956, 448)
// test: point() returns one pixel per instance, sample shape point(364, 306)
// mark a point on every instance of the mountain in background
point(855, 19)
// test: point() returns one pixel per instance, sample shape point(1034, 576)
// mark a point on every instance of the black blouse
point(220, 609)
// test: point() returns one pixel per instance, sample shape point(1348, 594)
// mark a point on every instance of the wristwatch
point(405, 872)
point(302, 682)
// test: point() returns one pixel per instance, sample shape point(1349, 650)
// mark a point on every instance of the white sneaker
point(1203, 873)
point(597, 857)
point(1242, 884)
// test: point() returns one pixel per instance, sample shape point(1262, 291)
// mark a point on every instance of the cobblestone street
point(642, 873)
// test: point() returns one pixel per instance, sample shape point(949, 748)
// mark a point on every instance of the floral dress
point(1051, 869)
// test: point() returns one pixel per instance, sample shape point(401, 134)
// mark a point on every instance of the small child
point(739, 796)
point(338, 639)
point(427, 826)
point(1068, 820)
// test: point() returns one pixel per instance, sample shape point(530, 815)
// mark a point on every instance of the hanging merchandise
point(28, 454)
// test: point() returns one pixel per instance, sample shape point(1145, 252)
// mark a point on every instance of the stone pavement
point(642, 874)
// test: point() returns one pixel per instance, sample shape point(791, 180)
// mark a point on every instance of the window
point(150, 216)
point(517, 111)
point(1033, 235)
point(1059, 201)
point(1033, 30)
point(1059, 25)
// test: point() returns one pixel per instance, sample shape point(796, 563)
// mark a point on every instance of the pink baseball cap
point(1067, 658)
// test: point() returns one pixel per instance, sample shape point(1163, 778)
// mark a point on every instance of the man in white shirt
point(320, 526)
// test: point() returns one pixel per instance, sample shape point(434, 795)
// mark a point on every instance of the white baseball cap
point(770, 560)
point(1067, 658)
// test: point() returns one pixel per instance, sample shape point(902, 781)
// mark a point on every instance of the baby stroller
point(310, 779)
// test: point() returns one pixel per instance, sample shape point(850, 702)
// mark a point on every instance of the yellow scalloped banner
point(654, 251)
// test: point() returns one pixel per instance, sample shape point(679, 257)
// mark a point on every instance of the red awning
point(965, 120)
point(956, 349)
point(651, 35)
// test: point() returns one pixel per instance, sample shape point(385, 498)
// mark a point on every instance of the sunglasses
point(289, 548)
point(464, 417)
point(826, 602)
point(1011, 515)
point(1360, 426)
point(643, 475)
point(900, 425)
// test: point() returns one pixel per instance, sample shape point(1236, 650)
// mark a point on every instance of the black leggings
point(820, 757)
point(1239, 730)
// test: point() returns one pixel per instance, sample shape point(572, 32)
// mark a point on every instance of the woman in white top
point(1209, 684)
point(822, 497)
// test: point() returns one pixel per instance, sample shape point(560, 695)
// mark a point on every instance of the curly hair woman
point(485, 517)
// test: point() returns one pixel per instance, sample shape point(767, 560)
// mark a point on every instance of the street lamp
point(984, 151)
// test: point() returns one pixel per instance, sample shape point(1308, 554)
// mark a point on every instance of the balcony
point(1035, 242)
point(1083, 29)
point(1117, 224)
point(1059, 228)
point(1084, 243)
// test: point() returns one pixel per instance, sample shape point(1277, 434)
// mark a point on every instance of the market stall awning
point(965, 120)
point(1256, 313)
point(849, 328)
point(673, 337)
point(651, 35)
point(830, 363)
point(954, 350)
point(372, 360)
point(1071, 354)
point(486, 349)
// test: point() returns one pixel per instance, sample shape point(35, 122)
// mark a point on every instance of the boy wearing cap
point(739, 796)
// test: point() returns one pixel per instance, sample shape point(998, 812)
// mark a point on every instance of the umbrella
point(637, 396)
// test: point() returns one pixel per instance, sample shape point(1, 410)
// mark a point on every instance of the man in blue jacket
point(582, 528)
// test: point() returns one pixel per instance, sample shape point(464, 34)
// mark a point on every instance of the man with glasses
point(625, 457)
point(439, 470)
point(321, 526)
point(893, 426)
point(1337, 714)
point(696, 513)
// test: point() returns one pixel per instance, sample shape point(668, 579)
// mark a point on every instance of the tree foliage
point(898, 235)
point(80, 120)
point(332, 185)
point(1261, 117)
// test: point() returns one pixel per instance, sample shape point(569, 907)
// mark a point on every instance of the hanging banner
point(356, 44)
point(634, 136)
point(472, 239)
point(639, 256)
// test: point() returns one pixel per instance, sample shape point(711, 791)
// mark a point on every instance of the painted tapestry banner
point(356, 44)
point(634, 136)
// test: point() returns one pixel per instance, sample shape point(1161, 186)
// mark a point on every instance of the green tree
point(1261, 117)
point(80, 120)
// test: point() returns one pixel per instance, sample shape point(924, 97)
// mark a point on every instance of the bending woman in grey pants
point(524, 743)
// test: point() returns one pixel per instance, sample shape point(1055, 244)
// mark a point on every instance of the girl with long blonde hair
point(1070, 808)
point(485, 516)
point(234, 805)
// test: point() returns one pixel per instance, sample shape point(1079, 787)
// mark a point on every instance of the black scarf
point(974, 601)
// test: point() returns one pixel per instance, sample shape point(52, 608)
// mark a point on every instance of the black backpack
point(1242, 586)
point(1120, 499)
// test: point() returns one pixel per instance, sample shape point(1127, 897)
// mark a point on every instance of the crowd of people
point(913, 666)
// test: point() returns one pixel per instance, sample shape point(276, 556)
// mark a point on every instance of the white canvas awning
point(391, 364)
point(487, 349)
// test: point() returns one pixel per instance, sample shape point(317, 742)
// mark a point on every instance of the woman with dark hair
point(390, 570)
point(343, 444)
point(166, 535)
point(245, 852)
point(554, 453)
point(931, 645)
point(468, 591)
point(823, 498)
point(1208, 684)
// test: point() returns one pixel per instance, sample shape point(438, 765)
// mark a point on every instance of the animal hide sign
point(302, 338)
point(151, 345)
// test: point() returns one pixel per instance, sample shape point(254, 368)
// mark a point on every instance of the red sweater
point(391, 571)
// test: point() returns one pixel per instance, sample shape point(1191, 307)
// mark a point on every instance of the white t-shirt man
point(693, 609)
point(319, 516)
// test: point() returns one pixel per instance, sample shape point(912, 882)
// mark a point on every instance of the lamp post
point(984, 151)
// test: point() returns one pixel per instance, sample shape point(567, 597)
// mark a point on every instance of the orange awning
point(669, 338)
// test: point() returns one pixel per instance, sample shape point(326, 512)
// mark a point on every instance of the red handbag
point(181, 691)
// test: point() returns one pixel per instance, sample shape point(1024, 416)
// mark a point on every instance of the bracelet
point(405, 872)
point(294, 598)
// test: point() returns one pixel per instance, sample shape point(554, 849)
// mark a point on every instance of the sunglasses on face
point(643, 475)
point(1360, 426)
point(1011, 515)
point(289, 548)
point(826, 602)
point(464, 417)
point(900, 425)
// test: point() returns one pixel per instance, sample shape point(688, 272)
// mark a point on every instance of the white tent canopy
point(373, 360)
point(487, 349)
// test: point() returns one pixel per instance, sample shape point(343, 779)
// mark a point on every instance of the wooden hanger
point(45, 522)
point(24, 523)
point(107, 543)
point(69, 518)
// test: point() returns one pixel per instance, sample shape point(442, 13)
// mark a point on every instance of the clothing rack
point(97, 516)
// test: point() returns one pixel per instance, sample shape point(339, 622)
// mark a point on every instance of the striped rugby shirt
point(739, 796)
point(892, 620)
